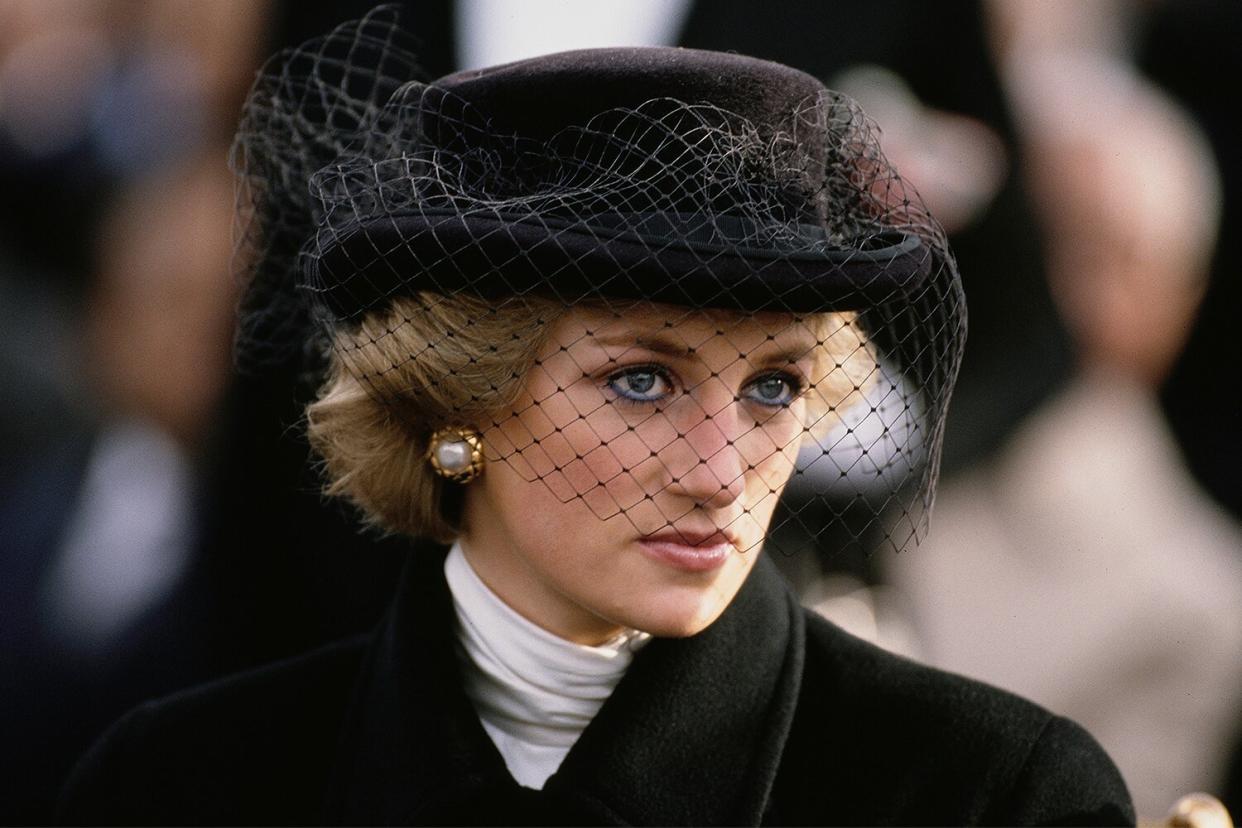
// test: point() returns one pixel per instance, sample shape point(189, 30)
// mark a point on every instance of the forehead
point(692, 331)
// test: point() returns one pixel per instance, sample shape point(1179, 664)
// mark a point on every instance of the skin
point(653, 421)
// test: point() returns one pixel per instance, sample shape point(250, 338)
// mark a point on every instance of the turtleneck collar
point(534, 692)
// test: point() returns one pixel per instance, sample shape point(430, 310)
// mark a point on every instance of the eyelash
point(631, 398)
point(796, 385)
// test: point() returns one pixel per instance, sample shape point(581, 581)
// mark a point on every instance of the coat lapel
point(412, 742)
point(693, 734)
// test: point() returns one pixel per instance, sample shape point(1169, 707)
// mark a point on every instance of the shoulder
point(910, 692)
point(227, 751)
point(910, 742)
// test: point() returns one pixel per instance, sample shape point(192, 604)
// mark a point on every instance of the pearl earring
point(456, 453)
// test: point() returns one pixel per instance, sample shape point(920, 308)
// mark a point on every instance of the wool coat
point(770, 715)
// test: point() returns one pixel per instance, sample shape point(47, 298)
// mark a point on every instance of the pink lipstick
point(688, 551)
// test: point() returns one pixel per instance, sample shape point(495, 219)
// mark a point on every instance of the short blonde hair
point(431, 361)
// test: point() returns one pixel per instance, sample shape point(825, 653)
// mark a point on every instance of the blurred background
point(160, 524)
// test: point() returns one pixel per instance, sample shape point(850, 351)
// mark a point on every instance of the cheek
point(566, 542)
point(619, 475)
point(578, 447)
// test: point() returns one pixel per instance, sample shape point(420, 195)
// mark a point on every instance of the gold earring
point(456, 453)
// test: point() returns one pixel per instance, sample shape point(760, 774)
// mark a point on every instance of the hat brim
point(443, 251)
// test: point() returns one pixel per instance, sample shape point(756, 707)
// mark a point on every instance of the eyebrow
point(657, 344)
point(647, 342)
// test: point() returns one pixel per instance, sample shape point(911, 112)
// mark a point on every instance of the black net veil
point(648, 305)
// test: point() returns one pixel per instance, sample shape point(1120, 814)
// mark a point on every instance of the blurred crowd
point(160, 523)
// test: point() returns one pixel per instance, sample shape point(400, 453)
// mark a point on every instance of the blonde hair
point(431, 361)
point(425, 362)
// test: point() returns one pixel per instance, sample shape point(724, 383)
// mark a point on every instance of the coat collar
point(693, 733)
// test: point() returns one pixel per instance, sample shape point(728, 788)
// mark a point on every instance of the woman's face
point(633, 482)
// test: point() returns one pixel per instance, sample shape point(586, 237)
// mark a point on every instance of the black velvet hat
point(584, 172)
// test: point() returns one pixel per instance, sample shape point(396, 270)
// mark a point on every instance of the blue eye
point(776, 390)
point(640, 384)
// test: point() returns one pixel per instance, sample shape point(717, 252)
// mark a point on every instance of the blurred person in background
point(101, 532)
point(114, 249)
point(158, 337)
point(93, 92)
point(1081, 564)
point(142, 542)
point(1190, 50)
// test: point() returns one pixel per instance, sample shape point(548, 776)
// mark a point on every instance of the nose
point(715, 474)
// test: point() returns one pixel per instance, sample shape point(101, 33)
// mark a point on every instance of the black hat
point(631, 173)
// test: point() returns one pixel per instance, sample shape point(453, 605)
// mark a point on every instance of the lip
point(689, 551)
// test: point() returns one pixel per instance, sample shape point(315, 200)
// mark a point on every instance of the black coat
point(770, 715)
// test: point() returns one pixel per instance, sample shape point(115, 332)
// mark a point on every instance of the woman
point(586, 316)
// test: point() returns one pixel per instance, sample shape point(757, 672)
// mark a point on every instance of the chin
point(678, 630)
point(680, 615)
point(679, 605)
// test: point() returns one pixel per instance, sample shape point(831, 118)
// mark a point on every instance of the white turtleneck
point(534, 692)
